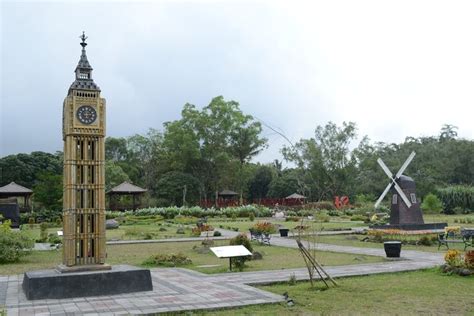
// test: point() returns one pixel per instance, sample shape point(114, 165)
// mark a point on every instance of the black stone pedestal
point(51, 284)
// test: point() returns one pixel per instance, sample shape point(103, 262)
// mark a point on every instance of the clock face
point(86, 114)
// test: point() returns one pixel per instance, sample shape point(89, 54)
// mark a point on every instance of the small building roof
point(228, 192)
point(13, 188)
point(295, 196)
point(126, 188)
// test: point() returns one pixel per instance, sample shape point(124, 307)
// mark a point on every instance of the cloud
point(395, 68)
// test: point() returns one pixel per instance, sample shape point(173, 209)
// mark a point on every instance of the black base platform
point(51, 284)
point(411, 226)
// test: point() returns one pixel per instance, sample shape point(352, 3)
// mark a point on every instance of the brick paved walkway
point(180, 289)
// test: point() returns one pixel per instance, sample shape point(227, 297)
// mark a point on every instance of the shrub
point(217, 233)
point(323, 218)
point(425, 241)
point(54, 239)
point(453, 257)
point(43, 232)
point(13, 245)
point(292, 280)
point(241, 239)
point(168, 260)
point(431, 203)
point(333, 213)
point(264, 228)
point(365, 198)
point(196, 232)
point(251, 216)
point(377, 236)
point(469, 259)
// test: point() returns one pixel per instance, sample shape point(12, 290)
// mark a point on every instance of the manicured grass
point(441, 218)
point(128, 232)
point(356, 241)
point(244, 224)
point(273, 257)
point(408, 293)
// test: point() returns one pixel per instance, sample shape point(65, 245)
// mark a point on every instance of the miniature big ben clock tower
point(84, 178)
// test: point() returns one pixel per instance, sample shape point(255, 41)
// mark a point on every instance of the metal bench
point(466, 237)
point(262, 238)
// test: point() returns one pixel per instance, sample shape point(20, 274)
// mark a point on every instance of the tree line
point(211, 149)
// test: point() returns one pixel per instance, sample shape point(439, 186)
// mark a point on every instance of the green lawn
point(243, 224)
point(273, 257)
point(426, 292)
point(356, 241)
point(441, 218)
point(128, 232)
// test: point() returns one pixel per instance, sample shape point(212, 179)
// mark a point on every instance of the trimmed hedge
point(196, 211)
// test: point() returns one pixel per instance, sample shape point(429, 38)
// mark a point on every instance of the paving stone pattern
point(176, 289)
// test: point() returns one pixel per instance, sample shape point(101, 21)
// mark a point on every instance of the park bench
point(262, 238)
point(465, 237)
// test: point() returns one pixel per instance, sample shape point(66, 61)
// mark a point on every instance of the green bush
point(43, 232)
point(251, 216)
point(168, 260)
point(323, 218)
point(425, 241)
point(54, 239)
point(241, 239)
point(431, 203)
point(13, 245)
point(217, 233)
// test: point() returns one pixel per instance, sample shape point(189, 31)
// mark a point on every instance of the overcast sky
point(396, 68)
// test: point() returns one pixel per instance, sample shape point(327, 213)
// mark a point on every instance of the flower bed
point(459, 263)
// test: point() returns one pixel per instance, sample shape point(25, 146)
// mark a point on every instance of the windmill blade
point(389, 186)
point(405, 165)
point(385, 168)
point(402, 194)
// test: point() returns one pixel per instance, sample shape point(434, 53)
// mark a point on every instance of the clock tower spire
point(83, 71)
point(84, 175)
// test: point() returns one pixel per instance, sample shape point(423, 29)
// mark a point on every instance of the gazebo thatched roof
point(228, 193)
point(13, 189)
point(126, 188)
point(295, 196)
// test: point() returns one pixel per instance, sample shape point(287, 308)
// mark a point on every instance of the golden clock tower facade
point(84, 174)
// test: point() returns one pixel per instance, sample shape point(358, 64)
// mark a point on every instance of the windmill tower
point(405, 207)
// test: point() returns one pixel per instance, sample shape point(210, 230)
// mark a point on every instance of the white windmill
point(393, 180)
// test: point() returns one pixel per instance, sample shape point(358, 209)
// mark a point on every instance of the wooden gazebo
point(125, 188)
point(295, 199)
point(13, 190)
point(227, 194)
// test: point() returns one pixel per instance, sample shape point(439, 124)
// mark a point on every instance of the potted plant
point(284, 232)
point(392, 248)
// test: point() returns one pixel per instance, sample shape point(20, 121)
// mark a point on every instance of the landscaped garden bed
point(135, 254)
